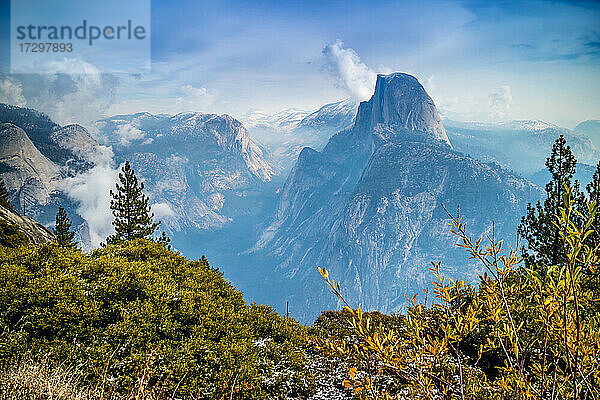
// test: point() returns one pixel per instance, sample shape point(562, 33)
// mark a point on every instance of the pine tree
point(4, 195)
point(133, 217)
point(164, 240)
point(537, 226)
point(62, 230)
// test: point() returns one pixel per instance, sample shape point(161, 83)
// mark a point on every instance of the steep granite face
point(400, 106)
point(57, 143)
point(24, 169)
point(35, 232)
point(37, 155)
point(77, 140)
point(203, 169)
point(369, 206)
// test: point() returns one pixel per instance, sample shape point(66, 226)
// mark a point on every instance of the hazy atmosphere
point(486, 61)
point(320, 200)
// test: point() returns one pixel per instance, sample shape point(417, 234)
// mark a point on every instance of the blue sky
point(479, 60)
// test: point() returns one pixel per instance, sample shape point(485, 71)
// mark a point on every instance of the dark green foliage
point(4, 196)
point(593, 193)
point(133, 217)
point(537, 227)
point(593, 241)
point(164, 240)
point(62, 230)
point(107, 312)
point(10, 236)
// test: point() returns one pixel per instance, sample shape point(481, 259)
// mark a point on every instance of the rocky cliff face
point(49, 138)
point(203, 169)
point(33, 231)
point(24, 168)
point(401, 107)
point(36, 155)
point(369, 206)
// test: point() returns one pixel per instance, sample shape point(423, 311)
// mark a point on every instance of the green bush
point(10, 236)
point(139, 306)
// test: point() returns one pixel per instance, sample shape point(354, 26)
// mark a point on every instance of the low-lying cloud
point(162, 210)
point(78, 93)
point(351, 73)
point(128, 133)
point(91, 191)
point(500, 103)
point(11, 92)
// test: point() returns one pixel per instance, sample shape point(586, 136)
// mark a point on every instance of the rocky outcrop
point(369, 207)
point(25, 168)
point(76, 139)
point(36, 155)
point(400, 106)
point(203, 169)
point(33, 231)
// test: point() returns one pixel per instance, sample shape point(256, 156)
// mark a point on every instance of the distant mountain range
point(286, 133)
point(355, 188)
point(203, 168)
point(521, 146)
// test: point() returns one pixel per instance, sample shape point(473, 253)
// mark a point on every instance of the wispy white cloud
point(500, 103)
point(350, 72)
point(193, 99)
point(170, 98)
point(11, 92)
point(91, 191)
point(128, 133)
point(78, 93)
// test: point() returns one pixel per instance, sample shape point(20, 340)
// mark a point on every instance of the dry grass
point(40, 381)
point(37, 381)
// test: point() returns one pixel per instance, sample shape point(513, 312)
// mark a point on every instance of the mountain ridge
point(368, 207)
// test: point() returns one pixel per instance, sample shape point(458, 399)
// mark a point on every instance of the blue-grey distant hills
point(521, 146)
point(591, 129)
point(286, 133)
point(369, 206)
